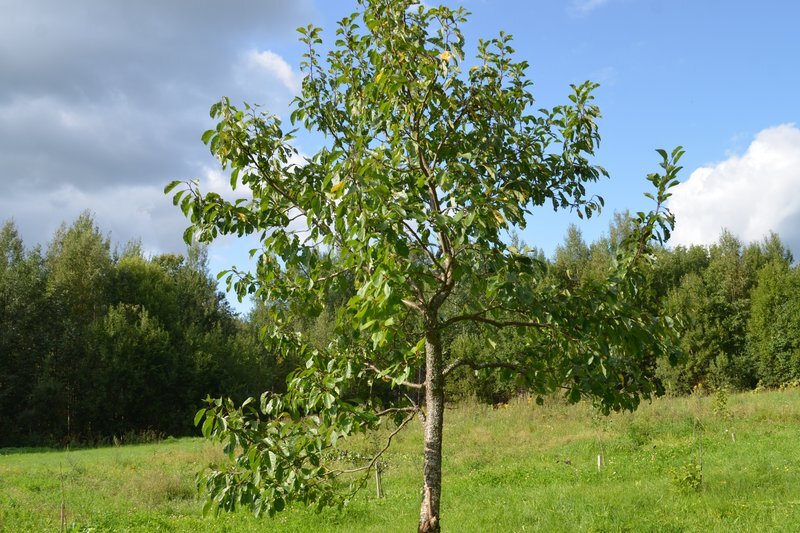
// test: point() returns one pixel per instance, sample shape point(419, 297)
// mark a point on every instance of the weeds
point(639, 434)
point(688, 477)
point(722, 411)
point(693, 470)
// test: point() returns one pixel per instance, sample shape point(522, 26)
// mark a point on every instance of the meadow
point(699, 463)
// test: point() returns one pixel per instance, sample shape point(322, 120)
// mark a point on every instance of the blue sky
point(102, 103)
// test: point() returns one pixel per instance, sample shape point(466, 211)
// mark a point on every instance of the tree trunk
point(434, 402)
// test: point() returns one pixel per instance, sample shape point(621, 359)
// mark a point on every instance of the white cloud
point(214, 180)
point(750, 195)
point(583, 7)
point(130, 212)
point(274, 66)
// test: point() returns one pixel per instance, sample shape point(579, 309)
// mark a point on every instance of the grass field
point(514, 468)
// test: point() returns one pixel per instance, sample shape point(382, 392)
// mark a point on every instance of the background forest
point(100, 343)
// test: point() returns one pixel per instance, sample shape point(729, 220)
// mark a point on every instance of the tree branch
point(377, 456)
point(424, 247)
point(408, 384)
point(391, 410)
point(412, 305)
point(478, 317)
point(475, 365)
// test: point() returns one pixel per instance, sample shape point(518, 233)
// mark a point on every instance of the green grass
point(516, 468)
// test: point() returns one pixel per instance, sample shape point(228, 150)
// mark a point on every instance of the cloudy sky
point(103, 102)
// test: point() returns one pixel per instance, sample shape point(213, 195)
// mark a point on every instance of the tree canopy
point(429, 162)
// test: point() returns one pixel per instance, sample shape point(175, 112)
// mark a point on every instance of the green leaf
point(186, 205)
point(177, 197)
point(402, 248)
point(208, 426)
point(278, 504)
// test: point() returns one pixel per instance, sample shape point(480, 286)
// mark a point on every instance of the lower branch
point(480, 365)
point(378, 455)
point(381, 373)
point(479, 317)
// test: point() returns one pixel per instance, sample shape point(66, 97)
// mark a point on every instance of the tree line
point(737, 306)
point(99, 342)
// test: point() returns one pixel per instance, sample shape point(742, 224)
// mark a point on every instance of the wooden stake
point(378, 485)
point(63, 508)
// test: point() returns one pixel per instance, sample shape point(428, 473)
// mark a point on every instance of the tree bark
point(429, 520)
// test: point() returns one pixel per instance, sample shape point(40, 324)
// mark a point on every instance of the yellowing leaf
point(499, 217)
point(338, 187)
point(379, 77)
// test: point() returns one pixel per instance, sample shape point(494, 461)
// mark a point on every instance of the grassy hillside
point(514, 468)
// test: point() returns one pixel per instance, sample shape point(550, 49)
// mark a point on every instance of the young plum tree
point(428, 163)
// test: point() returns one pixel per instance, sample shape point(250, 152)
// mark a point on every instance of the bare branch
point(391, 410)
point(478, 317)
point(377, 456)
point(332, 275)
point(475, 365)
point(416, 404)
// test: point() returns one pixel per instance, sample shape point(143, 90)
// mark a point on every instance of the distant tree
point(730, 282)
point(179, 295)
point(169, 338)
point(80, 267)
point(427, 167)
point(135, 368)
point(672, 265)
point(774, 327)
point(572, 256)
point(603, 250)
point(258, 367)
point(689, 302)
point(79, 278)
point(714, 301)
point(139, 281)
point(12, 249)
point(25, 334)
point(770, 250)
